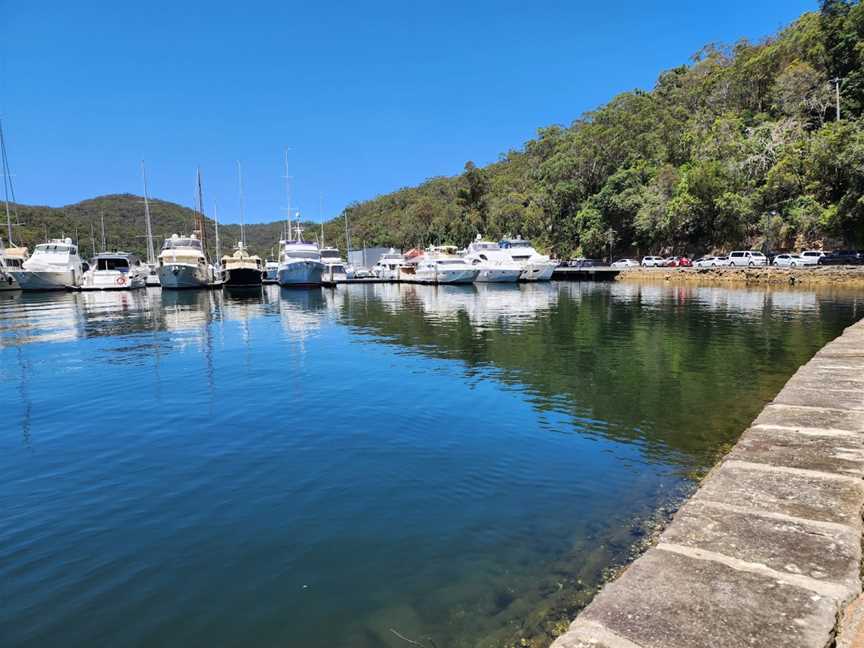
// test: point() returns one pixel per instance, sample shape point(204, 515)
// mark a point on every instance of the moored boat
point(535, 266)
point(300, 264)
point(115, 271)
point(494, 264)
point(55, 265)
point(439, 265)
point(389, 265)
point(242, 269)
point(11, 259)
point(335, 268)
point(182, 264)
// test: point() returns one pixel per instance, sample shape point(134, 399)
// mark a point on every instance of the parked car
point(685, 262)
point(787, 260)
point(625, 263)
point(747, 258)
point(586, 263)
point(653, 262)
point(811, 257)
point(711, 262)
point(670, 262)
point(842, 257)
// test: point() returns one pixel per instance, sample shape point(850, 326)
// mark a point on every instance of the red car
point(678, 262)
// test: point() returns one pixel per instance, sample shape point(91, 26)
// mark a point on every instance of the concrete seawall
point(767, 552)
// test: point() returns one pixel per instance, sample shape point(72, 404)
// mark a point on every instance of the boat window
point(450, 262)
point(112, 263)
point(519, 257)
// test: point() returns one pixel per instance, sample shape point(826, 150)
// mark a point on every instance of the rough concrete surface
point(767, 553)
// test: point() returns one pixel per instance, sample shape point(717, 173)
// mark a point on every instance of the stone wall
point(767, 552)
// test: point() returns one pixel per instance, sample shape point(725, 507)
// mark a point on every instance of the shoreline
point(768, 548)
point(817, 276)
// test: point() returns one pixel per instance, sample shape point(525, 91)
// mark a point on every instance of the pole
point(92, 239)
point(837, 82)
point(7, 183)
point(288, 193)
point(216, 224)
point(102, 216)
point(240, 185)
point(347, 240)
point(151, 253)
point(200, 216)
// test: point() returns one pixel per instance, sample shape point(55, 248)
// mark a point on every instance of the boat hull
point(112, 281)
point(499, 275)
point(446, 276)
point(537, 272)
point(243, 277)
point(44, 280)
point(301, 273)
point(177, 276)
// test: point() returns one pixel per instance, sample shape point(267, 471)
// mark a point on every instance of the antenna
point(151, 253)
point(240, 185)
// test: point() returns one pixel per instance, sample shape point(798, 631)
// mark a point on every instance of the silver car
point(788, 260)
point(653, 262)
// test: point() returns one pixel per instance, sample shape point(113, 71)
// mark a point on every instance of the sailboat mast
point(216, 224)
point(347, 240)
point(320, 218)
point(199, 217)
point(102, 217)
point(7, 185)
point(288, 194)
point(240, 185)
point(151, 253)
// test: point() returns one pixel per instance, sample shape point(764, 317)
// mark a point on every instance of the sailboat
point(299, 262)
point(12, 258)
point(241, 268)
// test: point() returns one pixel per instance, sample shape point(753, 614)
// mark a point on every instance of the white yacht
point(182, 264)
point(11, 260)
point(299, 263)
point(440, 265)
point(535, 266)
point(388, 265)
point(334, 266)
point(115, 271)
point(55, 265)
point(495, 265)
point(242, 268)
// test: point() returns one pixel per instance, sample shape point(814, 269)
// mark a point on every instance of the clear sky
point(369, 96)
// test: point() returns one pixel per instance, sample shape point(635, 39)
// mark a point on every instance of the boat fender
point(120, 281)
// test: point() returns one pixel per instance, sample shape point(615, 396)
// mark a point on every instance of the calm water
point(286, 468)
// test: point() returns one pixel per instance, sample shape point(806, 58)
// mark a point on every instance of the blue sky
point(369, 96)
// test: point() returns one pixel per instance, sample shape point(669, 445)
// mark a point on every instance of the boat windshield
point(329, 254)
point(179, 243)
point(52, 248)
point(302, 254)
point(112, 263)
point(450, 262)
point(486, 246)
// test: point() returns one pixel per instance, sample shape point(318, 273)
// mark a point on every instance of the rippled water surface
point(321, 468)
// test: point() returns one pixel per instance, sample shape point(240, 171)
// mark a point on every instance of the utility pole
point(837, 82)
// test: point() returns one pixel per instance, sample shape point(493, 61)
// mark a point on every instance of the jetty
point(767, 552)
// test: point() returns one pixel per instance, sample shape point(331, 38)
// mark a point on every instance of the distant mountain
point(125, 229)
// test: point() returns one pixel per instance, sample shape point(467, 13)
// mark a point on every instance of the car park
point(747, 258)
point(625, 263)
point(653, 262)
point(842, 257)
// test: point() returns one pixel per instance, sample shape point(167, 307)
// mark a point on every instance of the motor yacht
point(439, 265)
point(299, 263)
point(389, 265)
point(335, 268)
point(242, 268)
point(495, 265)
point(535, 266)
point(55, 265)
point(182, 264)
point(115, 271)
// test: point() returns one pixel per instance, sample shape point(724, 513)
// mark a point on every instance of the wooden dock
point(597, 273)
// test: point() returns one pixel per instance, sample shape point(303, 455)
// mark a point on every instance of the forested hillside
point(740, 147)
point(743, 146)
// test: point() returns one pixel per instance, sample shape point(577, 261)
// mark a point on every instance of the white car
point(653, 262)
point(747, 258)
point(811, 257)
point(711, 262)
point(788, 260)
point(625, 263)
